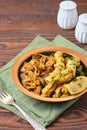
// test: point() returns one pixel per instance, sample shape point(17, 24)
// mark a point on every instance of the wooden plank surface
point(20, 22)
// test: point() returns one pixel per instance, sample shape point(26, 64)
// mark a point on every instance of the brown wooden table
point(20, 22)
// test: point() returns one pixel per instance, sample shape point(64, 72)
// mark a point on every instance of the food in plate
point(53, 75)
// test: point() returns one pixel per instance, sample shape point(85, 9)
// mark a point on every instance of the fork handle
point(33, 122)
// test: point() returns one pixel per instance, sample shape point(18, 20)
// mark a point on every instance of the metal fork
point(6, 98)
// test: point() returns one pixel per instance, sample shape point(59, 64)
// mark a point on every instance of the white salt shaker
point(67, 15)
point(81, 28)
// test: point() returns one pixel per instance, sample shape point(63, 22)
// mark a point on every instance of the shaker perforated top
point(83, 18)
point(68, 5)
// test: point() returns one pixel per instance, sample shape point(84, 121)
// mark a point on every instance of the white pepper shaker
point(67, 15)
point(81, 29)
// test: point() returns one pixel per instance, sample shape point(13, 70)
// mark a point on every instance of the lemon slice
point(77, 85)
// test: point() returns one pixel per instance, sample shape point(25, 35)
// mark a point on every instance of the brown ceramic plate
point(21, 59)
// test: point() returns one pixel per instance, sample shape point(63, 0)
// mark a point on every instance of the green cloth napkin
point(44, 112)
